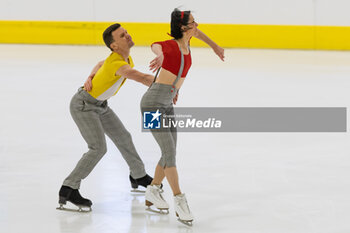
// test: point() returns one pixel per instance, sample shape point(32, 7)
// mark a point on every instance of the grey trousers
point(95, 119)
point(160, 97)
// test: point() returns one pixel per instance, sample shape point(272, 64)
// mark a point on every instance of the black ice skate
point(72, 195)
point(143, 181)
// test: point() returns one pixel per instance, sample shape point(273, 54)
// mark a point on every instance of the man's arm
point(88, 82)
point(217, 49)
point(127, 72)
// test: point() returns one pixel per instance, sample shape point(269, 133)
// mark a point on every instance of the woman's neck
point(183, 44)
point(183, 41)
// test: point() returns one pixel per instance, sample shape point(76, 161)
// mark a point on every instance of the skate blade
point(158, 211)
point(143, 191)
point(187, 223)
point(80, 210)
point(138, 191)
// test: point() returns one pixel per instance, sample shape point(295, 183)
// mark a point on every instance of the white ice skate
point(154, 197)
point(182, 210)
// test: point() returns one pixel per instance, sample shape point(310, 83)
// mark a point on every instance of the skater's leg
point(167, 146)
point(173, 179)
point(153, 193)
point(166, 166)
point(171, 172)
point(116, 131)
point(171, 175)
point(158, 175)
point(167, 143)
point(91, 129)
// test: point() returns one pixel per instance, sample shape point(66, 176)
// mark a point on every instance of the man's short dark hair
point(107, 34)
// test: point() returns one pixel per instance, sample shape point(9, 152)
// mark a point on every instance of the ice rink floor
point(234, 182)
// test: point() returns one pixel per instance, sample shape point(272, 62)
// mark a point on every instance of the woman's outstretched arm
point(217, 49)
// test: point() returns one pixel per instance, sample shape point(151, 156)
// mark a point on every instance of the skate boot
point(72, 195)
point(143, 181)
point(182, 210)
point(154, 198)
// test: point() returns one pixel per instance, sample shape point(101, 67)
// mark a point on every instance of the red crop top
point(172, 57)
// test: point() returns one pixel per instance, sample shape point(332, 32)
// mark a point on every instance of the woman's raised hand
point(220, 52)
point(156, 63)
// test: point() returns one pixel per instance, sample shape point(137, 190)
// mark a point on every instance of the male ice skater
point(94, 118)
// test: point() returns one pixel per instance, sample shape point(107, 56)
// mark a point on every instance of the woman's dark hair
point(178, 19)
point(107, 34)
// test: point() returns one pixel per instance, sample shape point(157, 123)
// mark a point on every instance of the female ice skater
point(174, 57)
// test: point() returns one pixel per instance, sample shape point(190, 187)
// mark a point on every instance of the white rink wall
point(272, 12)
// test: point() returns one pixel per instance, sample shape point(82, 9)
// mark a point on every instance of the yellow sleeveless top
point(106, 83)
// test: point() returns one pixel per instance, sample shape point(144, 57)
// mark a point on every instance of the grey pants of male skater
point(95, 119)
